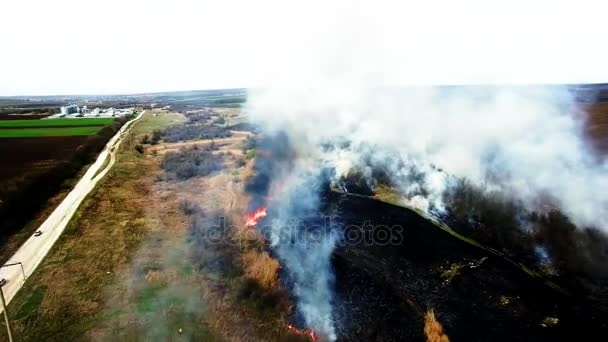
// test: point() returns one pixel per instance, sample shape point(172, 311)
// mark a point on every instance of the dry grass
point(387, 194)
point(433, 329)
point(262, 268)
point(125, 269)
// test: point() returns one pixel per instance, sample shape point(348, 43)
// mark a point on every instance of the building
point(71, 109)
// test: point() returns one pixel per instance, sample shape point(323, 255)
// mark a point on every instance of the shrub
point(192, 162)
point(156, 137)
point(240, 162)
point(139, 148)
point(194, 132)
point(262, 268)
point(190, 208)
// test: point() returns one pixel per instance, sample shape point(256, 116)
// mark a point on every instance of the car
point(38, 233)
point(2, 282)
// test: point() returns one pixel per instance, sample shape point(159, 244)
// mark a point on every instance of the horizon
point(598, 84)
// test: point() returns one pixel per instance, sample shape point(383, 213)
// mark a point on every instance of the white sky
point(125, 46)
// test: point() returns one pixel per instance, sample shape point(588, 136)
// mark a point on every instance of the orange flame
point(307, 332)
point(253, 218)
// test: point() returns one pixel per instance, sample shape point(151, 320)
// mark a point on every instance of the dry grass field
point(131, 265)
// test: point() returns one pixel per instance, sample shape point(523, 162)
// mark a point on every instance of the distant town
point(74, 111)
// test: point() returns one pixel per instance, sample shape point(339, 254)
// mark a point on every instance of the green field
point(56, 122)
point(48, 132)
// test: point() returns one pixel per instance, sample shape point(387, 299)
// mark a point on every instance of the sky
point(132, 46)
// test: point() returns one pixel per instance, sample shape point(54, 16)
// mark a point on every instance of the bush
point(191, 162)
point(262, 268)
point(198, 117)
point(194, 132)
point(240, 162)
point(190, 208)
point(156, 136)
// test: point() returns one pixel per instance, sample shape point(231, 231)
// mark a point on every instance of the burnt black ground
point(382, 291)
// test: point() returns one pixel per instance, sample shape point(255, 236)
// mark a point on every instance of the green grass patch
point(156, 119)
point(147, 299)
point(56, 122)
point(32, 304)
point(186, 269)
point(387, 194)
point(48, 132)
point(103, 166)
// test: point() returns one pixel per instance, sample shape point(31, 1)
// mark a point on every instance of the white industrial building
point(71, 109)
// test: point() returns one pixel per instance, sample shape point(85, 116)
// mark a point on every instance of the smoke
point(525, 141)
point(290, 184)
point(339, 100)
point(304, 242)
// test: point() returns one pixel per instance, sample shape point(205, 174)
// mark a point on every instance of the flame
point(304, 332)
point(253, 218)
point(375, 194)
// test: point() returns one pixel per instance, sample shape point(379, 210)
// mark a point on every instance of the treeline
point(22, 198)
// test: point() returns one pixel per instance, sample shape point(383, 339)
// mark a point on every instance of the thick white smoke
point(526, 142)
point(340, 84)
point(304, 242)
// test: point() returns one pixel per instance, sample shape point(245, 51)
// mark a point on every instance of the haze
point(76, 47)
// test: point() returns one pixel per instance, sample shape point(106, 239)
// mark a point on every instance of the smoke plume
point(524, 141)
point(340, 104)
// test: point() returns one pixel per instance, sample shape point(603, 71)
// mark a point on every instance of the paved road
point(33, 251)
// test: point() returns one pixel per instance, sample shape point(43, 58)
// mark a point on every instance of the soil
point(19, 156)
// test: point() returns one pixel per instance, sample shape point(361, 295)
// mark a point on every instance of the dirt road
point(33, 251)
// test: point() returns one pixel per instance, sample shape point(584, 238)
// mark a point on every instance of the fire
point(304, 332)
point(253, 218)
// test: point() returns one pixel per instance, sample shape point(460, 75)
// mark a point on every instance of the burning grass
point(433, 329)
point(251, 220)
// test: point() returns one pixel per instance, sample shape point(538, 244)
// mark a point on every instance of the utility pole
point(8, 322)
point(9, 331)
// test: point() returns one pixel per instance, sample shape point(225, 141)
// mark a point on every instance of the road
point(33, 251)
